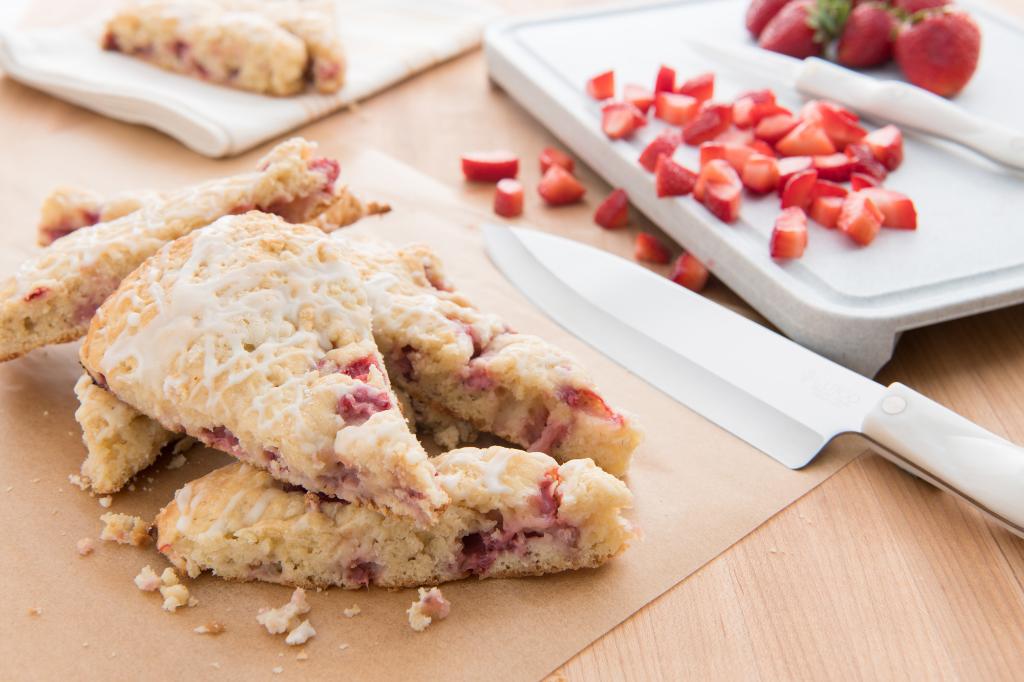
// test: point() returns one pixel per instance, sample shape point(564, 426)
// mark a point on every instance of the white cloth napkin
point(385, 41)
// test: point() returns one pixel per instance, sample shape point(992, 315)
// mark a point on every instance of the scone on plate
point(512, 513)
point(254, 336)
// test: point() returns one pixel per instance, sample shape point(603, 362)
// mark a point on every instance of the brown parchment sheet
point(698, 489)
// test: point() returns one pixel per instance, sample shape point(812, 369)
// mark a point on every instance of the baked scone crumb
point(169, 577)
point(277, 670)
point(212, 628)
point(302, 656)
point(343, 646)
point(125, 529)
point(106, 501)
point(176, 463)
point(301, 634)
point(175, 596)
point(147, 580)
point(85, 546)
point(352, 611)
point(35, 611)
point(430, 606)
point(75, 479)
point(286, 617)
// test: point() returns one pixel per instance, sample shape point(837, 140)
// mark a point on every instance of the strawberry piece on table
point(824, 188)
point(886, 145)
point(799, 189)
point(672, 179)
point(790, 166)
point(715, 171)
point(736, 137)
point(665, 80)
point(675, 109)
point(621, 119)
point(864, 161)
point(551, 156)
point(760, 173)
point(613, 213)
point(760, 12)
point(508, 198)
point(489, 166)
point(689, 272)
point(790, 31)
point(735, 154)
point(639, 96)
point(867, 37)
point(840, 125)
point(773, 128)
point(719, 188)
point(665, 144)
point(558, 187)
point(762, 147)
point(750, 107)
point(789, 236)
point(939, 52)
point(701, 88)
point(825, 210)
point(860, 219)
point(833, 167)
point(897, 209)
point(862, 180)
point(651, 249)
point(806, 139)
point(712, 119)
point(602, 86)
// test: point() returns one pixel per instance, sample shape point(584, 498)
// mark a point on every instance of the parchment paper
point(698, 490)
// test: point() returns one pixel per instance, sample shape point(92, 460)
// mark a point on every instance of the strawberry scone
point(254, 336)
point(52, 296)
point(445, 353)
point(512, 513)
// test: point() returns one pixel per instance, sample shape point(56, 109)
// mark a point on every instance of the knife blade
point(774, 394)
point(886, 100)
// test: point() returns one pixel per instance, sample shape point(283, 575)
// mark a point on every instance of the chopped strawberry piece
point(723, 201)
point(864, 162)
point(824, 188)
point(639, 96)
point(621, 119)
point(602, 86)
point(689, 272)
point(833, 167)
point(799, 189)
point(613, 212)
point(839, 124)
point(712, 119)
point(773, 128)
point(550, 156)
point(760, 173)
point(715, 171)
point(735, 136)
point(508, 198)
point(750, 107)
point(489, 166)
point(651, 249)
point(665, 81)
point(825, 210)
point(675, 109)
point(862, 180)
point(886, 144)
point(860, 218)
point(558, 187)
point(700, 87)
point(587, 401)
point(790, 166)
point(810, 111)
point(361, 404)
point(897, 209)
point(672, 179)
point(789, 236)
point(735, 154)
point(665, 144)
point(756, 97)
point(807, 139)
point(762, 147)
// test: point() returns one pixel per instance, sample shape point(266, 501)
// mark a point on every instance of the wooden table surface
point(873, 575)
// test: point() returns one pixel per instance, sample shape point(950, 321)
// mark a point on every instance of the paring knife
point(887, 100)
point(767, 390)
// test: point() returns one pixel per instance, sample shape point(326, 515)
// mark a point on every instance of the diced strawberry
point(666, 80)
point(639, 96)
point(897, 209)
point(754, 97)
point(860, 218)
point(824, 188)
point(790, 166)
point(809, 111)
point(712, 119)
point(672, 179)
point(723, 201)
point(508, 198)
point(839, 124)
point(558, 187)
point(735, 154)
point(762, 147)
point(789, 236)
point(689, 272)
point(825, 210)
point(665, 143)
point(602, 86)
point(760, 173)
point(862, 180)
point(833, 167)
point(864, 162)
point(613, 212)
point(750, 107)
point(550, 156)
point(621, 119)
point(715, 171)
point(700, 87)
point(807, 139)
point(489, 166)
point(799, 188)
point(886, 144)
point(675, 109)
point(651, 249)
point(773, 128)
point(736, 136)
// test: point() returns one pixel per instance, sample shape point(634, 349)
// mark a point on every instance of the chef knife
point(886, 100)
point(767, 390)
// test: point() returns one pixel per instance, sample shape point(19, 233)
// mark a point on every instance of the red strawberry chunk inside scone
point(362, 403)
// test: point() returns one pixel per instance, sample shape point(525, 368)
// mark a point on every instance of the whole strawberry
point(867, 37)
point(911, 6)
point(803, 27)
point(760, 12)
point(940, 51)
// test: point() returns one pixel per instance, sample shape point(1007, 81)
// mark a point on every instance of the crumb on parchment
point(430, 606)
point(286, 617)
point(106, 501)
point(147, 580)
point(85, 546)
point(212, 628)
point(352, 611)
point(125, 529)
point(35, 611)
point(301, 634)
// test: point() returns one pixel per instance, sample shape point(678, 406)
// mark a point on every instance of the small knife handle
point(912, 107)
point(951, 452)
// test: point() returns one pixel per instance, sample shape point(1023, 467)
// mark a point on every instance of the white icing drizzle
point(490, 469)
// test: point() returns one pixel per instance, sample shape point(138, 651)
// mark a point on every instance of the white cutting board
point(843, 301)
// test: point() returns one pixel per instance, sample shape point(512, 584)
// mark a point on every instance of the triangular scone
point(253, 335)
point(512, 513)
point(52, 296)
point(444, 352)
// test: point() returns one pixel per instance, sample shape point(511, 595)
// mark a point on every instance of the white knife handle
point(912, 107)
point(950, 451)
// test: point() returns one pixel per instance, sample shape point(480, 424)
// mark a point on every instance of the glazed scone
point(52, 296)
point(446, 353)
point(512, 513)
point(253, 335)
point(120, 441)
